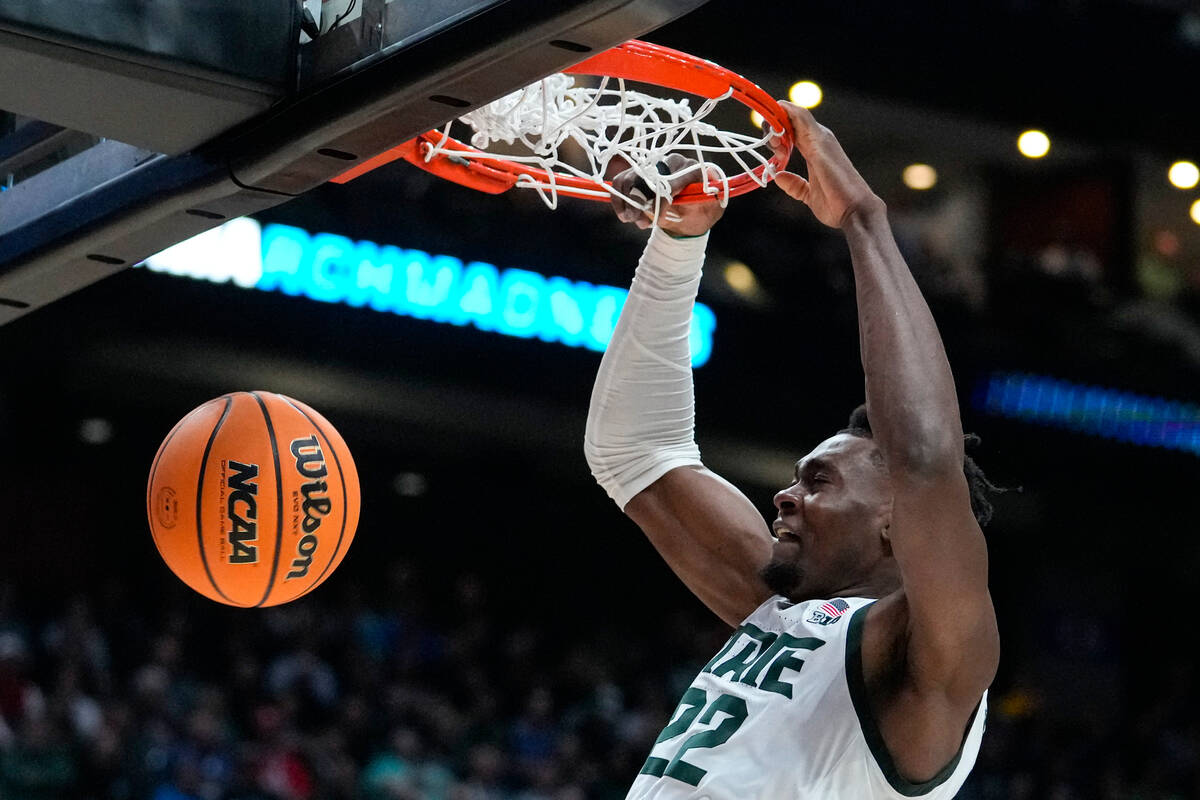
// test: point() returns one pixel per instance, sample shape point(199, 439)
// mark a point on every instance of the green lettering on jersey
point(768, 652)
point(737, 662)
point(776, 645)
point(735, 665)
point(740, 660)
point(735, 711)
point(787, 660)
point(723, 651)
point(689, 706)
point(767, 655)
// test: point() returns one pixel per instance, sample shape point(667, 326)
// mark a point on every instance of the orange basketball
point(253, 499)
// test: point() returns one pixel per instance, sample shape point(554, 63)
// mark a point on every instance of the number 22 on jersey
point(746, 667)
point(693, 701)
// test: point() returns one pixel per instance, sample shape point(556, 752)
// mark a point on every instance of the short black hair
point(982, 490)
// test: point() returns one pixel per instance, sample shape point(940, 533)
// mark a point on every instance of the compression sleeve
point(642, 414)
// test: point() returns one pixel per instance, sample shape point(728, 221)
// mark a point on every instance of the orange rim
point(634, 60)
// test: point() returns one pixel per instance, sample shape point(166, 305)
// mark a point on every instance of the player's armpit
point(710, 535)
point(953, 643)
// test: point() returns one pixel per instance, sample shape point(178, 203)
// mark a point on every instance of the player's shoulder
point(883, 628)
point(886, 643)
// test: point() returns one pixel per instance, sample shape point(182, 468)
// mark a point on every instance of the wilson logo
point(310, 463)
point(243, 531)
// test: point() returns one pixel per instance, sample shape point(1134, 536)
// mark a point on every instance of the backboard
point(133, 128)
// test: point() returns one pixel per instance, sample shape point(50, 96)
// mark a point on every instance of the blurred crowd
point(442, 694)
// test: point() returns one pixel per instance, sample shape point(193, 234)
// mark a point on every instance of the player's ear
point(885, 524)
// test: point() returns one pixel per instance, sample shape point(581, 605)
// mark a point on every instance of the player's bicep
point(953, 644)
point(710, 535)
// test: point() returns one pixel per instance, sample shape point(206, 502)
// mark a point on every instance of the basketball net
point(573, 138)
point(607, 124)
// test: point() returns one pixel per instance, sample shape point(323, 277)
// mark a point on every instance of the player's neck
point(880, 584)
point(860, 590)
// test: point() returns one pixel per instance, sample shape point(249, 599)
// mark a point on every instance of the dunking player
point(866, 637)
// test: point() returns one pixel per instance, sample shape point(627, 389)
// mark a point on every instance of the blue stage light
point(1113, 414)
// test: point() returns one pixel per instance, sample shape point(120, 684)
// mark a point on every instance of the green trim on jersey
point(862, 707)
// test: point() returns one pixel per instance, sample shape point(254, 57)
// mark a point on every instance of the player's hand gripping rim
point(687, 219)
point(833, 190)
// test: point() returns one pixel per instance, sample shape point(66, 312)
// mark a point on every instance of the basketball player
point(865, 635)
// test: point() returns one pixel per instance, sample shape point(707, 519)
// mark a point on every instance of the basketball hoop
point(607, 123)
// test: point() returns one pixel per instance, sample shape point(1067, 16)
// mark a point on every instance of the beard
point(782, 577)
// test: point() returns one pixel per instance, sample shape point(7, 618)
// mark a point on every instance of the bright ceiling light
point(1196, 212)
point(756, 119)
point(805, 93)
point(740, 278)
point(1033, 144)
point(920, 177)
point(1183, 175)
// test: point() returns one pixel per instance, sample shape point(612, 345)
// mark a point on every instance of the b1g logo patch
point(830, 612)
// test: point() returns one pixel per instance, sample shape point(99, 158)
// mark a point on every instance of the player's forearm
point(910, 390)
point(641, 414)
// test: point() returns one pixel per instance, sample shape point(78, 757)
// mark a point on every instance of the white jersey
point(781, 713)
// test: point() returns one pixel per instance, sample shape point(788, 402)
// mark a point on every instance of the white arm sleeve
point(640, 422)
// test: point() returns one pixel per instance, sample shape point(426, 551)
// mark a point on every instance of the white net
point(633, 128)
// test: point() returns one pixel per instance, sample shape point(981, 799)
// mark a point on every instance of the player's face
point(828, 532)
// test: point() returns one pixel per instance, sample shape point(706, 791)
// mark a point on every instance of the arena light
point(1183, 175)
point(806, 93)
point(1195, 212)
point(1111, 413)
point(920, 177)
point(740, 278)
point(1033, 144)
point(438, 288)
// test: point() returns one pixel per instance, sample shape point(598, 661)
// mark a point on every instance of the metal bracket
point(417, 78)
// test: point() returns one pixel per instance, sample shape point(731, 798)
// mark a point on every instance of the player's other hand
point(833, 190)
point(684, 219)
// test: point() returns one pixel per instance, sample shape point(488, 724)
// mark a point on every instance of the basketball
point(253, 499)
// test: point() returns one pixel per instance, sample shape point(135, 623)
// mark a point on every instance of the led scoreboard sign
point(412, 283)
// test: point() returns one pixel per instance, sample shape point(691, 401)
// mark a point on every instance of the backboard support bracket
point(363, 109)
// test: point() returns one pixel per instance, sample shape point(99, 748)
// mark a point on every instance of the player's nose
point(788, 499)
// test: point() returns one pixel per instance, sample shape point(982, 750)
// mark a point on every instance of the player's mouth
point(783, 533)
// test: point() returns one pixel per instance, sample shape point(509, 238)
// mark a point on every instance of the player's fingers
point(793, 185)
point(694, 173)
point(682, 170)
point(809, 134)
point(641, 194)
point(802, 118)
point(618, 206)
point(776, 142)
point(623, 184)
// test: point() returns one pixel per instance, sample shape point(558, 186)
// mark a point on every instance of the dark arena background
point(499, 629)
